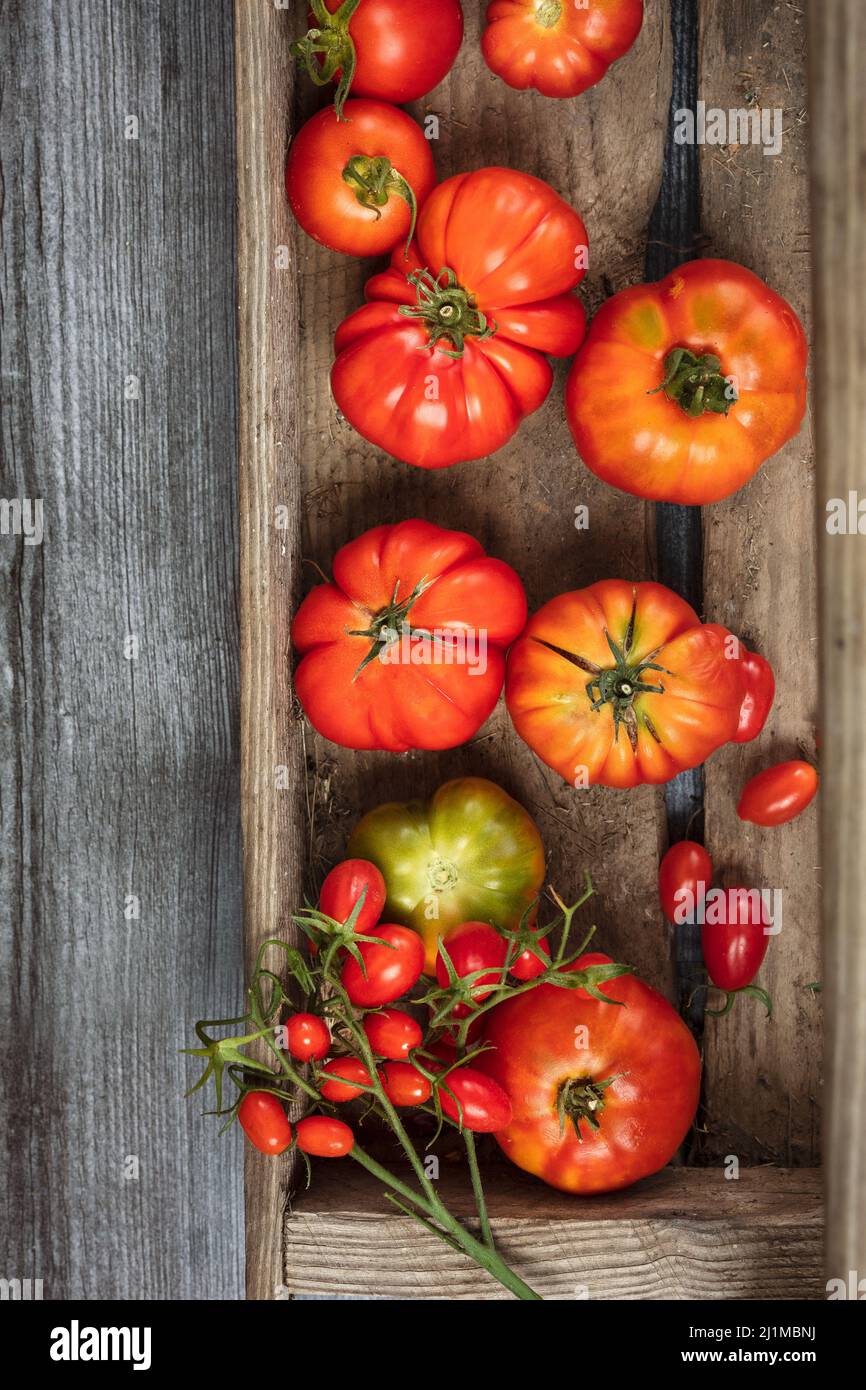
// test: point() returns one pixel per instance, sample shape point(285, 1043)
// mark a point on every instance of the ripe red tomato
point(557, 46)
point(404, 1084)
point(343, 887)
point(263, 1121)
point(602, 1095)
point(475, 1101)
point(393, 1033)
point(778, 794)
point(406, 649)
point(733, 939)
point(528, 965)
point(621, 684)
point(355, 184)
point(684, 388)
point(758, 700)
point(448, 356)
point(685, 874)
point(350, 1070)
point(473, 946)
point(391, 969)
point(397, 50)
point(323, 1137)
point(309, 1037)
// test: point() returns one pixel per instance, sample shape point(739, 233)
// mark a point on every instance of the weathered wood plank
point(763, 1078)
point(118, 777)
point(837, 31)
point(685, 1234)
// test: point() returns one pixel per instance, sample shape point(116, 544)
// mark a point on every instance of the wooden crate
point(689, 1232)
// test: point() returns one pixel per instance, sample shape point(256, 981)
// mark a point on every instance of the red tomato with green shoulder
point(406, 648)
point(449, 354)
point(685, 875)
point(474, 1101)
point(557, 46)
point(621, 684)
point(347, 1079)
point(684, 388)
point(602, 1095)
point(778, 794)
point(356, 184)
point(397, 50)
point(263, 1120)
point(393, 1034)
point(390, 969)
point(308, 1037)
point(405, 1085)
point(323, 1137)
point(734, 941)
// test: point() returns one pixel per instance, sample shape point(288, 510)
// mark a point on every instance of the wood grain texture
point(685, 1234)
point(759, 580)
point(117, 777)
point(837, 30)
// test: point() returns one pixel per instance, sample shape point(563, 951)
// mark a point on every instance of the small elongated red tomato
point(759, 696)
point(528, 965)
point(356, 184)
point(263, 1120)
point(778, 794)
point(559, 47)
point(350, 1070)
point(473, 946)
point(734, 942)
point(404, 1084)
point(393, 1034)
point(324, 1137)
point(309, 1037)
point(475, 1102)
point(685, 874)
point(343, 887)
point(391, 969)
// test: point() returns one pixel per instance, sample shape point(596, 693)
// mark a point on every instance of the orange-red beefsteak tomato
point(557, 46)
point(406, 648)
point(447, 357)
point(621, 684)
point(602, 1094)
point(685, 387)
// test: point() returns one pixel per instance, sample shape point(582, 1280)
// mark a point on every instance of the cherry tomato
point(323, 1137)
point(355, 184)
point(474, 946)
point(734, 942)
point(685, 874)
point(393, 1033)
point(778, 794)
point(309, 1037)
point(350, 1069)
point(391, 969)
point(758, 700)
point(263, 1121)
point(528, 965)
point(343, 887)
point(483, 1105)
point(404, 1084)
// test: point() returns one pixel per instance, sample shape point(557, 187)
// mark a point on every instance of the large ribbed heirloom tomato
point(684, 388)
point(406, 649)
point(602, 1094)
point(469, 854)
point(621, 684)
point(448, 355)
point(557, 46)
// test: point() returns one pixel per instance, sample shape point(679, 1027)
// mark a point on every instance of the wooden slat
point(268, 365)
point(838, 52)
point(685, 1234)
point(762, 1078)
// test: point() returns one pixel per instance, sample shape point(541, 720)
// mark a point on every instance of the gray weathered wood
point(837, 32)
point(118, 777)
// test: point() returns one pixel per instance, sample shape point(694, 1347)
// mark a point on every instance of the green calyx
point(447, 310)
point(619, 685)
point(696, 384)
point(548, 13)
point(581, 1101)
point(389, 624)
point(373, 179)
point(328, 49)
